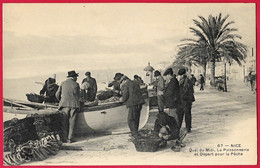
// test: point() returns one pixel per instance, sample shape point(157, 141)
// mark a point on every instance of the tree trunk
point(189, 68)
point(225, 77)
point(204, 69)
point(212, 78)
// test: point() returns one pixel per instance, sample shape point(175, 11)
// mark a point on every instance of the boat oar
point(18, 104)
point(71, 147)
point(41, 83)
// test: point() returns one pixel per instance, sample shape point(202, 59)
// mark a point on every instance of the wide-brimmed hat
point(168, 71)
point(118, 76)
point(157, 73)
point(72, 74)
point(182, 71)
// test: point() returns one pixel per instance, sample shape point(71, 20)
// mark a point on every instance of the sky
point(40, 39)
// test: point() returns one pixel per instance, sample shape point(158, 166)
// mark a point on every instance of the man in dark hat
point(115, 83)
point(131, 94)
point(50, 88)
point(172, 94)
point(89, 93)
point(160, 86)
point(68, 94)
point(187, 97)
point(138, 79)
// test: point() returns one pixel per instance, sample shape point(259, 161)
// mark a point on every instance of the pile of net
point(108, 96)
point(23, 137)
point(111, 99)
point(33, 150)
point(33, 97)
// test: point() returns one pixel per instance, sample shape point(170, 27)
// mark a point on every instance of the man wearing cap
point(160, 86)
point(115, 83)
point(187, 97)
point(90, 93)
point(131, 94)
point(138, 79)
point(68, 94)
point(172, 94)
point(50, 88)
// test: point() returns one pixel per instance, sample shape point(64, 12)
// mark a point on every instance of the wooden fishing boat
point(104, 117)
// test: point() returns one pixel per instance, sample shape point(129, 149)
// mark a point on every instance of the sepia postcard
point(204, 54)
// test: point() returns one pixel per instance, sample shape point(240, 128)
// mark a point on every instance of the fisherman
point(187, 97)
point(172, 94)
point(138, 79)
point(50, 87)
point(68, 94)
point(115, 83)
point(89, 92)
point(131, 94)
point(167, 128)
point(160, 86)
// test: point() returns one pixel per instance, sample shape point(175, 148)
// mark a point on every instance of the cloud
point(62, 45)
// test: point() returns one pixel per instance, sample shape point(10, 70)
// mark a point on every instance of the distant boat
point(110, 117)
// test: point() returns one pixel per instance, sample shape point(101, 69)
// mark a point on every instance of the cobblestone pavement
point(224, 132)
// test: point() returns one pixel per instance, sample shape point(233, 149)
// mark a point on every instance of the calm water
point(17, 88)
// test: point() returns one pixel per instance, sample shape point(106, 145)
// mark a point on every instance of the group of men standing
point(68, 95)
point(177, 95)
point(69, 92)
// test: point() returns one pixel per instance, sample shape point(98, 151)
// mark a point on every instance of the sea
point(17, 88)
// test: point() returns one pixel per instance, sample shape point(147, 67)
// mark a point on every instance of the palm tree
point(218, 38)
point(196, 52)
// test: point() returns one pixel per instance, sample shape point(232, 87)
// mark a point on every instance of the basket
point(147, 144)
point(35, 98)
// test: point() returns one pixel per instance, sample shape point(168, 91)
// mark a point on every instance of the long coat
point(92, 90)
point(186, 89)
point(131, 93)
point(68, 94)
point(172, 94)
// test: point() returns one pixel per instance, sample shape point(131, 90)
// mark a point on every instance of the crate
point(35, 97)
point(147, 144)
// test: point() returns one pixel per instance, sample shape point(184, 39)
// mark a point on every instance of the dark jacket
point(193, 80)
point(50, 88)
point(68, 94)
point(92, 90)
point(186, 89)
point(159, 84)
point(202, 81)
point(171, 124)
point(132, 94)
point(172, 94)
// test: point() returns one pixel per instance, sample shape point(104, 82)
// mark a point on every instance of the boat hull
point(112, 119)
